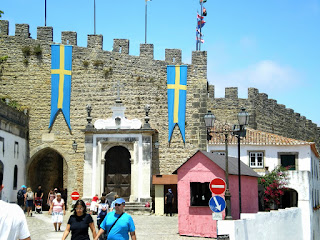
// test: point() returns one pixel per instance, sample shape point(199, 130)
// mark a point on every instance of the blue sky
point(272, 45)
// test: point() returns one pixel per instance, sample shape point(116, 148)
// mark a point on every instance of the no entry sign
point(217, 186)
point(75, 195)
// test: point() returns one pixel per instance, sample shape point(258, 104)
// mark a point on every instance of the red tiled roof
point(257, 137)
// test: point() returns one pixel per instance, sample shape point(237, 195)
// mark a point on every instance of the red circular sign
point(217, 186)
point(75, 196)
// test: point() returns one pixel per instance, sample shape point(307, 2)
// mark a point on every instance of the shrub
point(85, 63)
point(274, 185)
point(37, 50)
point(3, 59)
point(97, 63)
point(26, 51)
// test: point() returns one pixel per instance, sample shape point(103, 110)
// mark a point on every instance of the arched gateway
point(49, 169)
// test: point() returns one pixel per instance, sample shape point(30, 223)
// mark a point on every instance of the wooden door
point(118, 172)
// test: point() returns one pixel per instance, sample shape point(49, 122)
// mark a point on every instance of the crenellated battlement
point(265, 114)
point(95, 42)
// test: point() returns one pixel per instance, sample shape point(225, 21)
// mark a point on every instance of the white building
point(264, 151)
point(13, 151)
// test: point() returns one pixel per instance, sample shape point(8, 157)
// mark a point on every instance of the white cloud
point(266, 75)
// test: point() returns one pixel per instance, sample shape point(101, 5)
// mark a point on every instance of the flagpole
point(45, 12)
point(145, 23)
point(94, 15)
point(200, 26)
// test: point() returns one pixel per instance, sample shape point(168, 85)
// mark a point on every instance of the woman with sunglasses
point(79, 223)
point(117, 225)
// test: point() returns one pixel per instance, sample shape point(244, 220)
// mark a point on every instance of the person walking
point(21, 196)
point(117, 224)
point(169, 200)
point(51, 196)
point(13, 223)
point(102, 213)
point(113, 202)
point(39, 193)
point(93, 205)
point(57, 209)
point(30, 201)
point(79, 223)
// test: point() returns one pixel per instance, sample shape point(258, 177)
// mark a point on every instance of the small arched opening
point(289, 199)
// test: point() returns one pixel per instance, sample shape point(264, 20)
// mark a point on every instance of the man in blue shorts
point(117, 224)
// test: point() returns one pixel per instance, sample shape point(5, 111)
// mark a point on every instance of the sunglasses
point(117, 204)
point(79, 209)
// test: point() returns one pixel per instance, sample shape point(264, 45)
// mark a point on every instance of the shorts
point(29, 203)
point(57, 217)
point(21, 202)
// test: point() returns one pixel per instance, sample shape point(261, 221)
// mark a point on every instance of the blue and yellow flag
point(177, 98)
point(61, 64)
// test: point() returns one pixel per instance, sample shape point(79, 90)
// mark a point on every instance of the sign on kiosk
point(217, 186)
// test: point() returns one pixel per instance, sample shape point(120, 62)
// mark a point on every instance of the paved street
point(147, 227)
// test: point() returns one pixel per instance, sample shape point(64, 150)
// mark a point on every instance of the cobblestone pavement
point(147, 227)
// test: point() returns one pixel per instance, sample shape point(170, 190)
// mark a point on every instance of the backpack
point(102, 215)
point(20, 194)
point(29, 195)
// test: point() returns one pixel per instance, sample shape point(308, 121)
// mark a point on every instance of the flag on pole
point(199, 17)
point(177, 98)
point(201, 23)
point(61, 66)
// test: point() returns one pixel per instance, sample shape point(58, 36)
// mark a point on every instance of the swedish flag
point(177, 97)
point(61, 66)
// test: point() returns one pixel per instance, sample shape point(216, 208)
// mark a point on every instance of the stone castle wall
point(265, 114)
point(26, 78)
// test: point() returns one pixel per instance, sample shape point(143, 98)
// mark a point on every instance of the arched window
point(15, 177)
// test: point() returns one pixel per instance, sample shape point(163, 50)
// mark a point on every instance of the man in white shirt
point(13, 224)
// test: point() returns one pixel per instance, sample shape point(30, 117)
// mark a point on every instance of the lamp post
point(239, 131)
point(243, 119)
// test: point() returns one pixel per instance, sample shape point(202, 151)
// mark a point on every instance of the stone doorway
point(118, 172)
point(49, 169)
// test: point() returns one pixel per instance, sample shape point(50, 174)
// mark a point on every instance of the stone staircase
point(138, 208)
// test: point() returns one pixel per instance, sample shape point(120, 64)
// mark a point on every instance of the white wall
point(271, 153)
point(276, 225)
point(9, 160)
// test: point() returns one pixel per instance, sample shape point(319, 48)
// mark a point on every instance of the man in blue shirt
point(117, 224)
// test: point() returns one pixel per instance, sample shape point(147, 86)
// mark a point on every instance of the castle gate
point(118, 171)
point(49, 169)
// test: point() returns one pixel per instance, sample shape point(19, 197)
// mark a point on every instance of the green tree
point(1, 12)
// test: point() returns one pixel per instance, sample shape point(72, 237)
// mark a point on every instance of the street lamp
point(239, 131)
point(243, 119)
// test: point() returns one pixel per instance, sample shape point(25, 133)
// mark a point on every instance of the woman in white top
point(57, 209)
